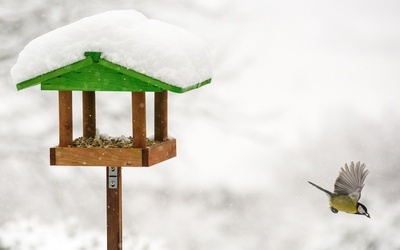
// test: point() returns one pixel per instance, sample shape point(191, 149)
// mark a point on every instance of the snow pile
point(125, 37)
point(34, 234)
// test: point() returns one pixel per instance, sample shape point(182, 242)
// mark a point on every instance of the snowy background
point(299, 89)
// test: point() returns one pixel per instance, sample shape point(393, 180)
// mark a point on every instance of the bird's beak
point(367, 214)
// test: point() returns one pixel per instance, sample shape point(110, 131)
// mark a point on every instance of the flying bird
point(347, 192)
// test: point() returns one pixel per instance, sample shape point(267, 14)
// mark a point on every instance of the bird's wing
point(351, 180)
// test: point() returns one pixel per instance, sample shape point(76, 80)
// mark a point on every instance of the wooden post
point(65, 118)
point(89, 113)
point(139, 119)
point(114, 208)
point(161, 115)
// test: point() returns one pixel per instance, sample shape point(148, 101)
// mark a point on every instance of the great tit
point(347, 192)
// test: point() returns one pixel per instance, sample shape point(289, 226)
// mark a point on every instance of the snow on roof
point(125, 37)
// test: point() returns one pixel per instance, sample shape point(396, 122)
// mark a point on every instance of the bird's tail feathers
point(330, 194)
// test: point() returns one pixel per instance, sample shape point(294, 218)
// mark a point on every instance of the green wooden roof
point(97, 74)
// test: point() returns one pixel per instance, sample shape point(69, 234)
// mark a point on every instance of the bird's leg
point(334, 210)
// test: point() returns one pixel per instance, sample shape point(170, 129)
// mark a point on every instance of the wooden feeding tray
point(154, 153)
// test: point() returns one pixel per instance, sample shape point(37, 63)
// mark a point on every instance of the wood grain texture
point(66, 156)
point(139, 119)
point(96, 77)
point(54, 74)
point(89, 113)
point(127, 157)
point(114, 213)
point(161, 115)
point(65, 118)
point(159, 152)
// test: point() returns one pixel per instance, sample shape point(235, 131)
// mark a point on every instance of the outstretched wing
point(351, 180)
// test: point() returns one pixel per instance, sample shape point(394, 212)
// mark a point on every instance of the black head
point(361, 209)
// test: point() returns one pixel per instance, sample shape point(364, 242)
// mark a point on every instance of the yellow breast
point(344, 203)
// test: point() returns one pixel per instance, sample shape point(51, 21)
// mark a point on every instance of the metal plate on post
point(112, 178)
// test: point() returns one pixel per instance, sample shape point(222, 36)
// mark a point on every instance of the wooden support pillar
point(89, 113)
point(139, 119)
point(65, 118)
point(161, 115)
point(114, 208)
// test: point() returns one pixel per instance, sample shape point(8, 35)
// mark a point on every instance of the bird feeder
point(95, 72)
